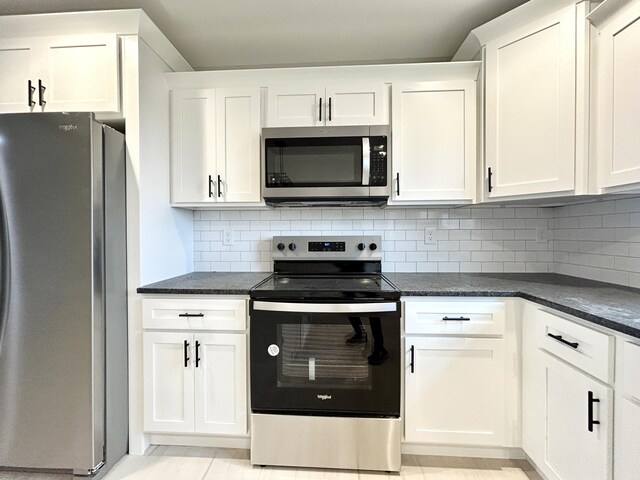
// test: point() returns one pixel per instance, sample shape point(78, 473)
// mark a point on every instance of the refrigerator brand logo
point(68, 128)
point(324, 397)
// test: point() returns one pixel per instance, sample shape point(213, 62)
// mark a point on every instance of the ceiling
point(218, 34)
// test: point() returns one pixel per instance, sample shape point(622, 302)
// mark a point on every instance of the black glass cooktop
point(347, 287)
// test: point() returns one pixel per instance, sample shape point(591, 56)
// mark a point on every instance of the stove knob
point(373, 246)
point(361, 246)
point(292, 246)
point(281, 246)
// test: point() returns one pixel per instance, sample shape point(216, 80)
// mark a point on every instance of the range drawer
point(631, 370)
point(455, 317)
point(587, 349)
point(196, 314)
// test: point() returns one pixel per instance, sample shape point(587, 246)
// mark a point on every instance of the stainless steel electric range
point(325, 357)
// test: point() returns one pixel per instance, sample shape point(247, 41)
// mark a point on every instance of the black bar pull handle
point(186, 354)
point(490, 175)
point(398, 184)
point(30, 89)
point(219, 186)
point(590, 401)
point(210, 186)
point(191, 314)
point(329, 108)
point(320, 110)
point(41, 89)
point(562, 340)
point(456, 319)
point(411, 363)
point(197, 353)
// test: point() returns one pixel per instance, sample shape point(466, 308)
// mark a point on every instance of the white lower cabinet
point(168, 382)
point(455, 390)
point(457, 385)
point(195, 381)
point(567, 413)
point(578, 423)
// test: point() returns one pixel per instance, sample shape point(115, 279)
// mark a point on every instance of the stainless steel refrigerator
point(63, 314)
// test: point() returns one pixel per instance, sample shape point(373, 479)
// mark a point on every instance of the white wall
point(471, 239)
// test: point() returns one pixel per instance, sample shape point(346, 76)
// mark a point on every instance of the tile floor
point(191, 463)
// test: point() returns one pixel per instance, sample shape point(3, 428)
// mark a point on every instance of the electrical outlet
point(542, 234)
point(429, 237)
point(227, 236)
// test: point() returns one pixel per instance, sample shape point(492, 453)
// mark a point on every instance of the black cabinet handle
point(329, 108)
point(412, 349)
point(30, 90)
point(490, 175)
point(398, 184)
point(186, 354)
point(219, 186)
point(191, 314)
point(320, 110)
point(590, 421)
point(41, 89)
point(456, 319)
point(562, 340)
point(210, 186)
point(197, 353)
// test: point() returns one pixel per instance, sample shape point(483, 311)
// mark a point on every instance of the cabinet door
point(81, 73)
point(17, 57)
point(221, 384)
point(627, 443)
point(355, 104)
point(572, 451)
point(193, 172)
point(618, 99)
point(434, 141)
point(456, 393)
point(238, 143)
point(168, 382)
point(530, 113)
point(291, 106)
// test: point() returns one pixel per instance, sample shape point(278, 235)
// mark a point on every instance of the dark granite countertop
point(207, 283)
point(605, 304)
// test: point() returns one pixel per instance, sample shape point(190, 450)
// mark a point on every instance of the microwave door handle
point(366, 160)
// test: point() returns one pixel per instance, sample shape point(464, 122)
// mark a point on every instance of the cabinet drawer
point(446, 317)
point(583, 347)
point(195, 314)
point(631, 372)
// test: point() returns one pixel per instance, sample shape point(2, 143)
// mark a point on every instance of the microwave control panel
point(378, 156)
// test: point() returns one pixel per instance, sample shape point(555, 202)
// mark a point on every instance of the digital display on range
point(326, 246)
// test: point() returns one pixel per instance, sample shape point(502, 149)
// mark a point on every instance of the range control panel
point(365, 247)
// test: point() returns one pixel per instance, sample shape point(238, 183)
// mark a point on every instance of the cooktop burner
point(326, 268)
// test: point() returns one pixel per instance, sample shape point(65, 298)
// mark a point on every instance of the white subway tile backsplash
point(599, 240)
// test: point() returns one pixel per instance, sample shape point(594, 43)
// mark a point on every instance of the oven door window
point(313, 162)
point(325, 363)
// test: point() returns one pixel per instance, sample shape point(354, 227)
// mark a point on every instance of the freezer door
point(51, 305)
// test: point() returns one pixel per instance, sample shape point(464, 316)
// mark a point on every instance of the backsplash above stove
point(472, 239)
point(599, 240)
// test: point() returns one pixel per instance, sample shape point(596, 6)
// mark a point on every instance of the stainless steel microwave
point(326, 165)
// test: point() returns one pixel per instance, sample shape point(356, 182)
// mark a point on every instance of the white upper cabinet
point(434, 141)
point(70, 73)
point(530, 110)
point(617, 97)
point(333, 104)
point(215, 145)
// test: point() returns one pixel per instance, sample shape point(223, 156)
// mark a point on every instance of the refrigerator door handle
point(5, 285)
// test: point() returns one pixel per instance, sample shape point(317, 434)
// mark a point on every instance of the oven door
point(325, 359)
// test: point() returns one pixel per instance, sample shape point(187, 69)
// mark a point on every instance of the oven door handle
point(326, 307)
